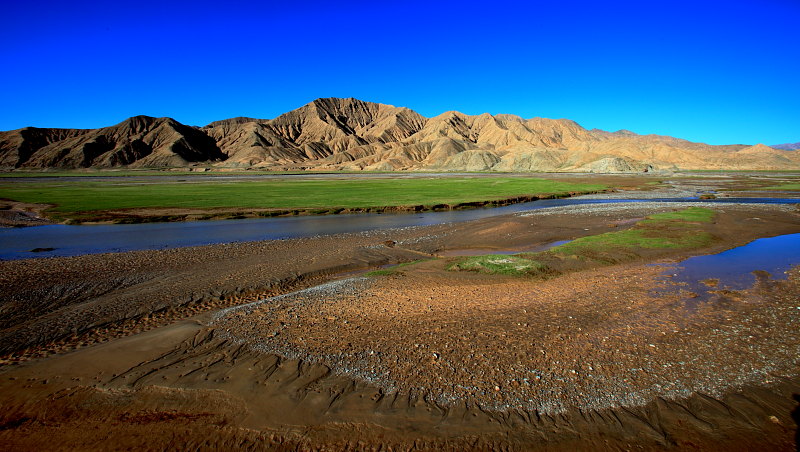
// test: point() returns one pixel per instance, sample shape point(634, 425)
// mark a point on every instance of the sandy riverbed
point(424, 358)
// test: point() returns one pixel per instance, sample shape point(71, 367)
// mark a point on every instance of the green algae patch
point(500, 264)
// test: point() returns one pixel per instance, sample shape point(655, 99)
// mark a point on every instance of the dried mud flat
point(421, 359)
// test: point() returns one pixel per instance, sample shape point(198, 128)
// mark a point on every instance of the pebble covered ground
point(595, 339)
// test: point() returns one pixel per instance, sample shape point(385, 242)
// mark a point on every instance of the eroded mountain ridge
point(350, 134)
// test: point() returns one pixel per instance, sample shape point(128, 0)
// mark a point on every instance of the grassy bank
point(681, 230)
point(671, 230)
point(91, 199)
point(782, 187)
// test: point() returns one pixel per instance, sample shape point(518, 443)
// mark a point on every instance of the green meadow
point(782, 187)
point(73, 196)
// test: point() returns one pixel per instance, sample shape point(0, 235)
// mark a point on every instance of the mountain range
point(350, 134)
point(787, 146)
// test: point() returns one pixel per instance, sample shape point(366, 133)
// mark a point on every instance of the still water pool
point(734, 268)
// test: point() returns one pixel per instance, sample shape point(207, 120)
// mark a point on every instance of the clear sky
point(717, 72)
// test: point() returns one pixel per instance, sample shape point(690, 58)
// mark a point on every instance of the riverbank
point(52, 295)
point(441, 343)
point(124, 200)
point(167, 215)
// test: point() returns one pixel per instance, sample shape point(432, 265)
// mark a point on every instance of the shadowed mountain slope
point(140, 141)
point(350, 134)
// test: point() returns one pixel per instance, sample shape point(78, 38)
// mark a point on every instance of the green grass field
point(782, 187)
point(71, 196)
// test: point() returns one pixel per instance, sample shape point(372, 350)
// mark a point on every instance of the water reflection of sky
point(733, 268)
point(16, 243)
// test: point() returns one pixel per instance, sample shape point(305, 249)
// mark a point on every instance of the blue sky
point(716, 72)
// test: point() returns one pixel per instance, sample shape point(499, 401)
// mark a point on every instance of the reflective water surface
point(734, 268)
point(71, 240)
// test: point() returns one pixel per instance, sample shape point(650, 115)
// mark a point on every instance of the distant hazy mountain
point(349, 134)
point(787, 146)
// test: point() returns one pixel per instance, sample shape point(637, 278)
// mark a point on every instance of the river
point(73, 240)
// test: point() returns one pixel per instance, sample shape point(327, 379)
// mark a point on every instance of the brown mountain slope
point(350, 134)
point(354, 135)
point(314, 132)
point(17, 146)
point(140, 141)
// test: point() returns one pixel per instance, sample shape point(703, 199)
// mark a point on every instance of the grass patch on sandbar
point(670, 230)
point(781, 187)
point(633, 238)
point(684, 229)
point(691, 214)
point(500, 264)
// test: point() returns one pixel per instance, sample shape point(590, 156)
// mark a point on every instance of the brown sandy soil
point(595, 339)
point(153, 391)
point(47, 300)
point(16, 214)
point(65, 302)
point(423, 359)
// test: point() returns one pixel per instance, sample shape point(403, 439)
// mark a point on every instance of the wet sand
point(421, 359)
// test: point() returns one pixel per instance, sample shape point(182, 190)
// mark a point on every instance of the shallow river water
point(733, 269)
point(71, 240)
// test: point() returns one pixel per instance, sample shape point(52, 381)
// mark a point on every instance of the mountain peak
point(233, 121)
point(760, 147)
point(142, 122)
point(351, 134)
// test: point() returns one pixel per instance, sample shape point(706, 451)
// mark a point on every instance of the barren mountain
point(140, 141)
point(349, 134)
point(787, 146)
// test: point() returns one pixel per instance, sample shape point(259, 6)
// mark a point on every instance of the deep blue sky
point(716, 72)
